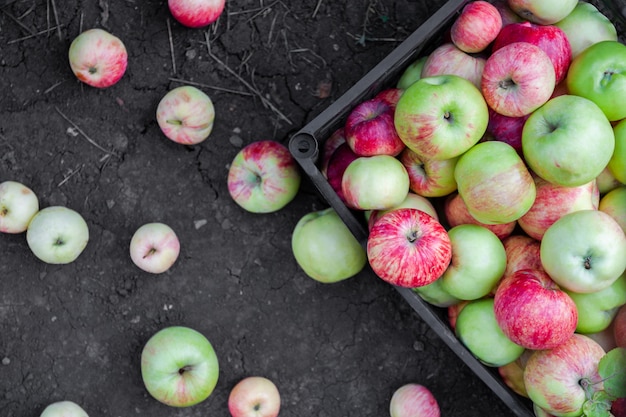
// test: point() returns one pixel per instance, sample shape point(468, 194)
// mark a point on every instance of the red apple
point(370, 129)
point(619, 327)
point(517, 79)
point(98, 58)
point(408, 248)
point(507, 129)
point(551, 39)
point(456, 213)
point(390, 96)
point(196, 13)
point(553, 201)
point(329, 147)
point(254, 396)
point(448, 59)
point(618, 408)
point(339, 161)
point(412, 200)
point(429, 177)
point(522, 252)
point(413, 400)
point(562, 379)
point(533, 311)
point(476, 27)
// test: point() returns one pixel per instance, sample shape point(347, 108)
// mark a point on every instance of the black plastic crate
point(306, 144)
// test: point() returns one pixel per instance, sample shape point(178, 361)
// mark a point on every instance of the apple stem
point(151, 252)
point(174, 122)
point(185, 369)
point(93, 70)
point(587, 263)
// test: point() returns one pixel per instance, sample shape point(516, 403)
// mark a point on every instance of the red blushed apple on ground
point(550, 321)
point(476, 27)
point(413, 400)
point(254, 396)
point(196, 13)
point(98, 58)
point(369, 129)
point(551, 39)
point(154, 247)
point(408, 248)
point(263, 177)
point(517, 79)
point(186, 115)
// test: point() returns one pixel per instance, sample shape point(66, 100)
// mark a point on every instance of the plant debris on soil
point(76, 331)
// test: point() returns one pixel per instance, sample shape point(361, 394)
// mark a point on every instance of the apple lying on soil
point(412, 400)
point(196, 13)
point(154, 247)
point(18, 205)
point(185, 115)
point(98, 58)
point(254, 396)
point(64, 409)
point(324, 247)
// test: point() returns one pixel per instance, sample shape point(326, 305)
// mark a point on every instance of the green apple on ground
point(597, 310)
point(185, 115)
point(412, 73)
point(478, 330)
point(435, 294)
point(584, 251)
point(18, 205)
point(617, 163)
point(324, 247)
point(64, 409)
point(562, 146)
point(376, 182)
point(179, 366)
point(541, 11)
point(254, 396)
point(263, 177)
point(597, 73)
point(412, 200)
point(586, 25)
point(613, 203)
point(494, 183)
point(441, 117)
point(57, 235)
point(478, 262)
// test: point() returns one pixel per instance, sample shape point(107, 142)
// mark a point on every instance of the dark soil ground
point(76, 331)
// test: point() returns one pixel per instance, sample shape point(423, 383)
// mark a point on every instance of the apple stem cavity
point(587, 262)
point(184, 369)
point(413, 236)
point(506, 84)
point(59, 242)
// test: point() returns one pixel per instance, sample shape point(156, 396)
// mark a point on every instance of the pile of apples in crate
point(493, 181)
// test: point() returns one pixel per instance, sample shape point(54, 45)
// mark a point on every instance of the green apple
point(179, 366)
point(324, 247)
point(64, 409)
point(411, 73)
point(494, 183)
point(586, 25)
point(435, 294)
point(440, 117)
point(376, 182)
point(478, 330)
point(18, 205)
point(596, 310)
point(613, 203)
point(599, 74)
point(57, 235)
point(583, 251)
point(617, 163)
point(541, 11)
point(478, 262)
point(568, 141)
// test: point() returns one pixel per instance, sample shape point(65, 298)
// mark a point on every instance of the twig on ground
point(362, 38)
point(41, 32)
point(169, 34)
point(19, 22)
point(264, 100)
point(226, 90)
point(71, 174)
point(52, 87)
point(56, 19)
point(79, 130)
point(317, 8)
